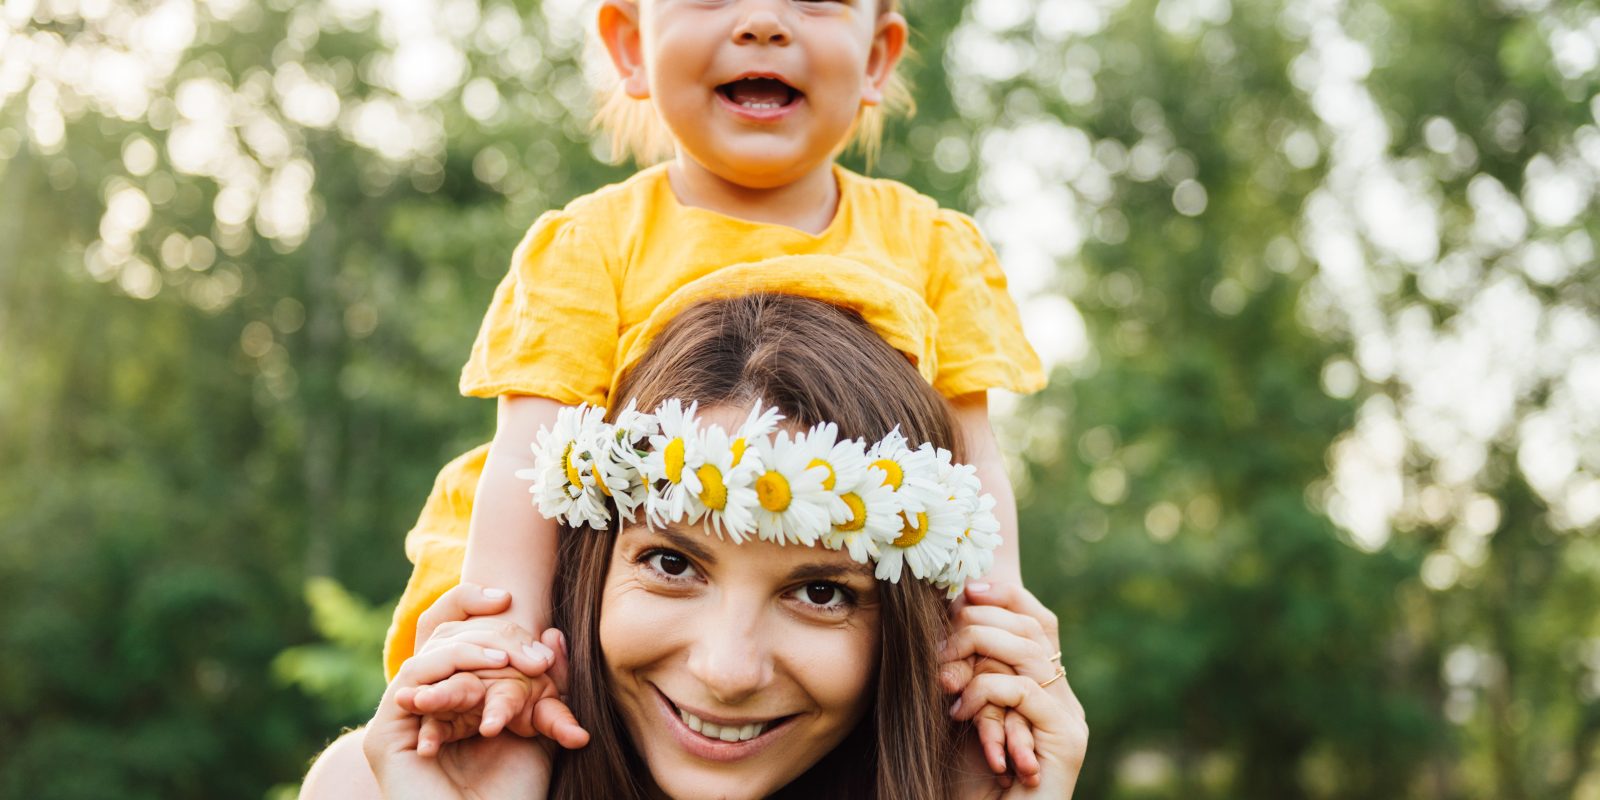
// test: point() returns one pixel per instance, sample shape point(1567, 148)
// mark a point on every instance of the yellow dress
point(589, 284)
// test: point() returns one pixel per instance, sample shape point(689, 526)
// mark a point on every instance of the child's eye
point(669, 564)
point(824, 596)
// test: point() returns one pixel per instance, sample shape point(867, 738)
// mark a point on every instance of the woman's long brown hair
point(815, 362)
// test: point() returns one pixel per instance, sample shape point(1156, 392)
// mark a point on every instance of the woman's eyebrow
point(818, 572)
point(687, 544)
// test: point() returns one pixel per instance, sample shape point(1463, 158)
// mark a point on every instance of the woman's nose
point(761, 25)
point(731, 660)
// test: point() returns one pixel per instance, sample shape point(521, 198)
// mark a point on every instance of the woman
point(827, 680)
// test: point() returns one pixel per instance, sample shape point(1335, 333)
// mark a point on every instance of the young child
point(749, 101)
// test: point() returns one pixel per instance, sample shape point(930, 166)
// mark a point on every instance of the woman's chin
point(685, 782)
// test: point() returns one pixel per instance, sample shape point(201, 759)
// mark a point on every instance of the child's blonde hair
point(637, 130)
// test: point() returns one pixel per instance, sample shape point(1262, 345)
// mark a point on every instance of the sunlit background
point(1315, 487)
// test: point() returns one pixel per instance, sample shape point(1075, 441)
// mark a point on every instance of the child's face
point(759, 92)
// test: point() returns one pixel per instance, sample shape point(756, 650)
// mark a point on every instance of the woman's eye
point(829, 596)
point(666, 562)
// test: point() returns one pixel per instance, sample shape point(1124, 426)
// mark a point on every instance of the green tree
point(1314, 488)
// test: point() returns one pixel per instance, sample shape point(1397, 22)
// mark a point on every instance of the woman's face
point(736, 666)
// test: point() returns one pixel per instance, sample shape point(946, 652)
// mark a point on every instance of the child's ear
point(618, 23)
point(888, 45)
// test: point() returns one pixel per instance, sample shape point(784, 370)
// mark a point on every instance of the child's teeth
point(727, 733)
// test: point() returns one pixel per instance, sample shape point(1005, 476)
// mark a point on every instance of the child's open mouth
point(759, 94)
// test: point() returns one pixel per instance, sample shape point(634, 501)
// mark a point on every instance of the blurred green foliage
point(345, 670)
point(244, 249)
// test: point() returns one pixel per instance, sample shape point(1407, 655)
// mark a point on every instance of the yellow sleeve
point(980, 341)
point(436, 546)
point(551, 329)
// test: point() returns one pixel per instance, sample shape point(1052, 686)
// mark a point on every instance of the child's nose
point(762, 25)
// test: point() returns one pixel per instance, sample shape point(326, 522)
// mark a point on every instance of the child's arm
point(983, 452)
point(510, 545)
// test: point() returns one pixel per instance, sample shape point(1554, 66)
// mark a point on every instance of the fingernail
point(492, 654)
point(538, 652)
point(939, 646)
point(977, 587)
point(494, 594)
point(955, 708)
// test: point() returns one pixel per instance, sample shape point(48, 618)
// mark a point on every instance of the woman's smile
point(726, 738)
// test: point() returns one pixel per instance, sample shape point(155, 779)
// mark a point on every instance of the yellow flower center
point(573, 476)
point(601, 480)
point(828, 482)
point(738, 450)
point(913, 533)
point(712, 490)
point(858, 512)
point(672, 460)
point(893, 475)
point(772, 489)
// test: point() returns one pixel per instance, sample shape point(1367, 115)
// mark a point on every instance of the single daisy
point(926, 542)
point(874, 517)
point(791, 505)
point(727, 490)
point(907, 471)
point(564, 486)
point(618, 461)
point(974, 550)
point(670, 468)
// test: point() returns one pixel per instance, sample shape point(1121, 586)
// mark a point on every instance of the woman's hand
point(487, 701)
point(478, 767)
point(1017, 640)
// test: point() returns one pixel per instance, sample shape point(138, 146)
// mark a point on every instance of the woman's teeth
point(727, 733)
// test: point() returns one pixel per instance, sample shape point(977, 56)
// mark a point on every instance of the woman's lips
point(700, 746)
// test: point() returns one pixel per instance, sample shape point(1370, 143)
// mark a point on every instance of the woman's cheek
point(635, 624)
point(836, 666)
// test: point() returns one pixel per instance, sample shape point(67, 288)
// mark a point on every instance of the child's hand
point(523, 696)
point(979, 623)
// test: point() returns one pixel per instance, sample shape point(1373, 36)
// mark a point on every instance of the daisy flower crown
point(899, 508)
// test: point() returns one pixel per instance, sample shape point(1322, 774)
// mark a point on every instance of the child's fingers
point(953, 675)
point(554, 720)
point(462, 691)
point(502, 702)
point(1019, 744)
point(461, 601)
point(556, 641)
point(521, 722)
point(431, 737)
point(403, 698)
point(992, 735)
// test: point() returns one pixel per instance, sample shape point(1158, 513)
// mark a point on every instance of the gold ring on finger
point(1057, 657)
point(1061, 672)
